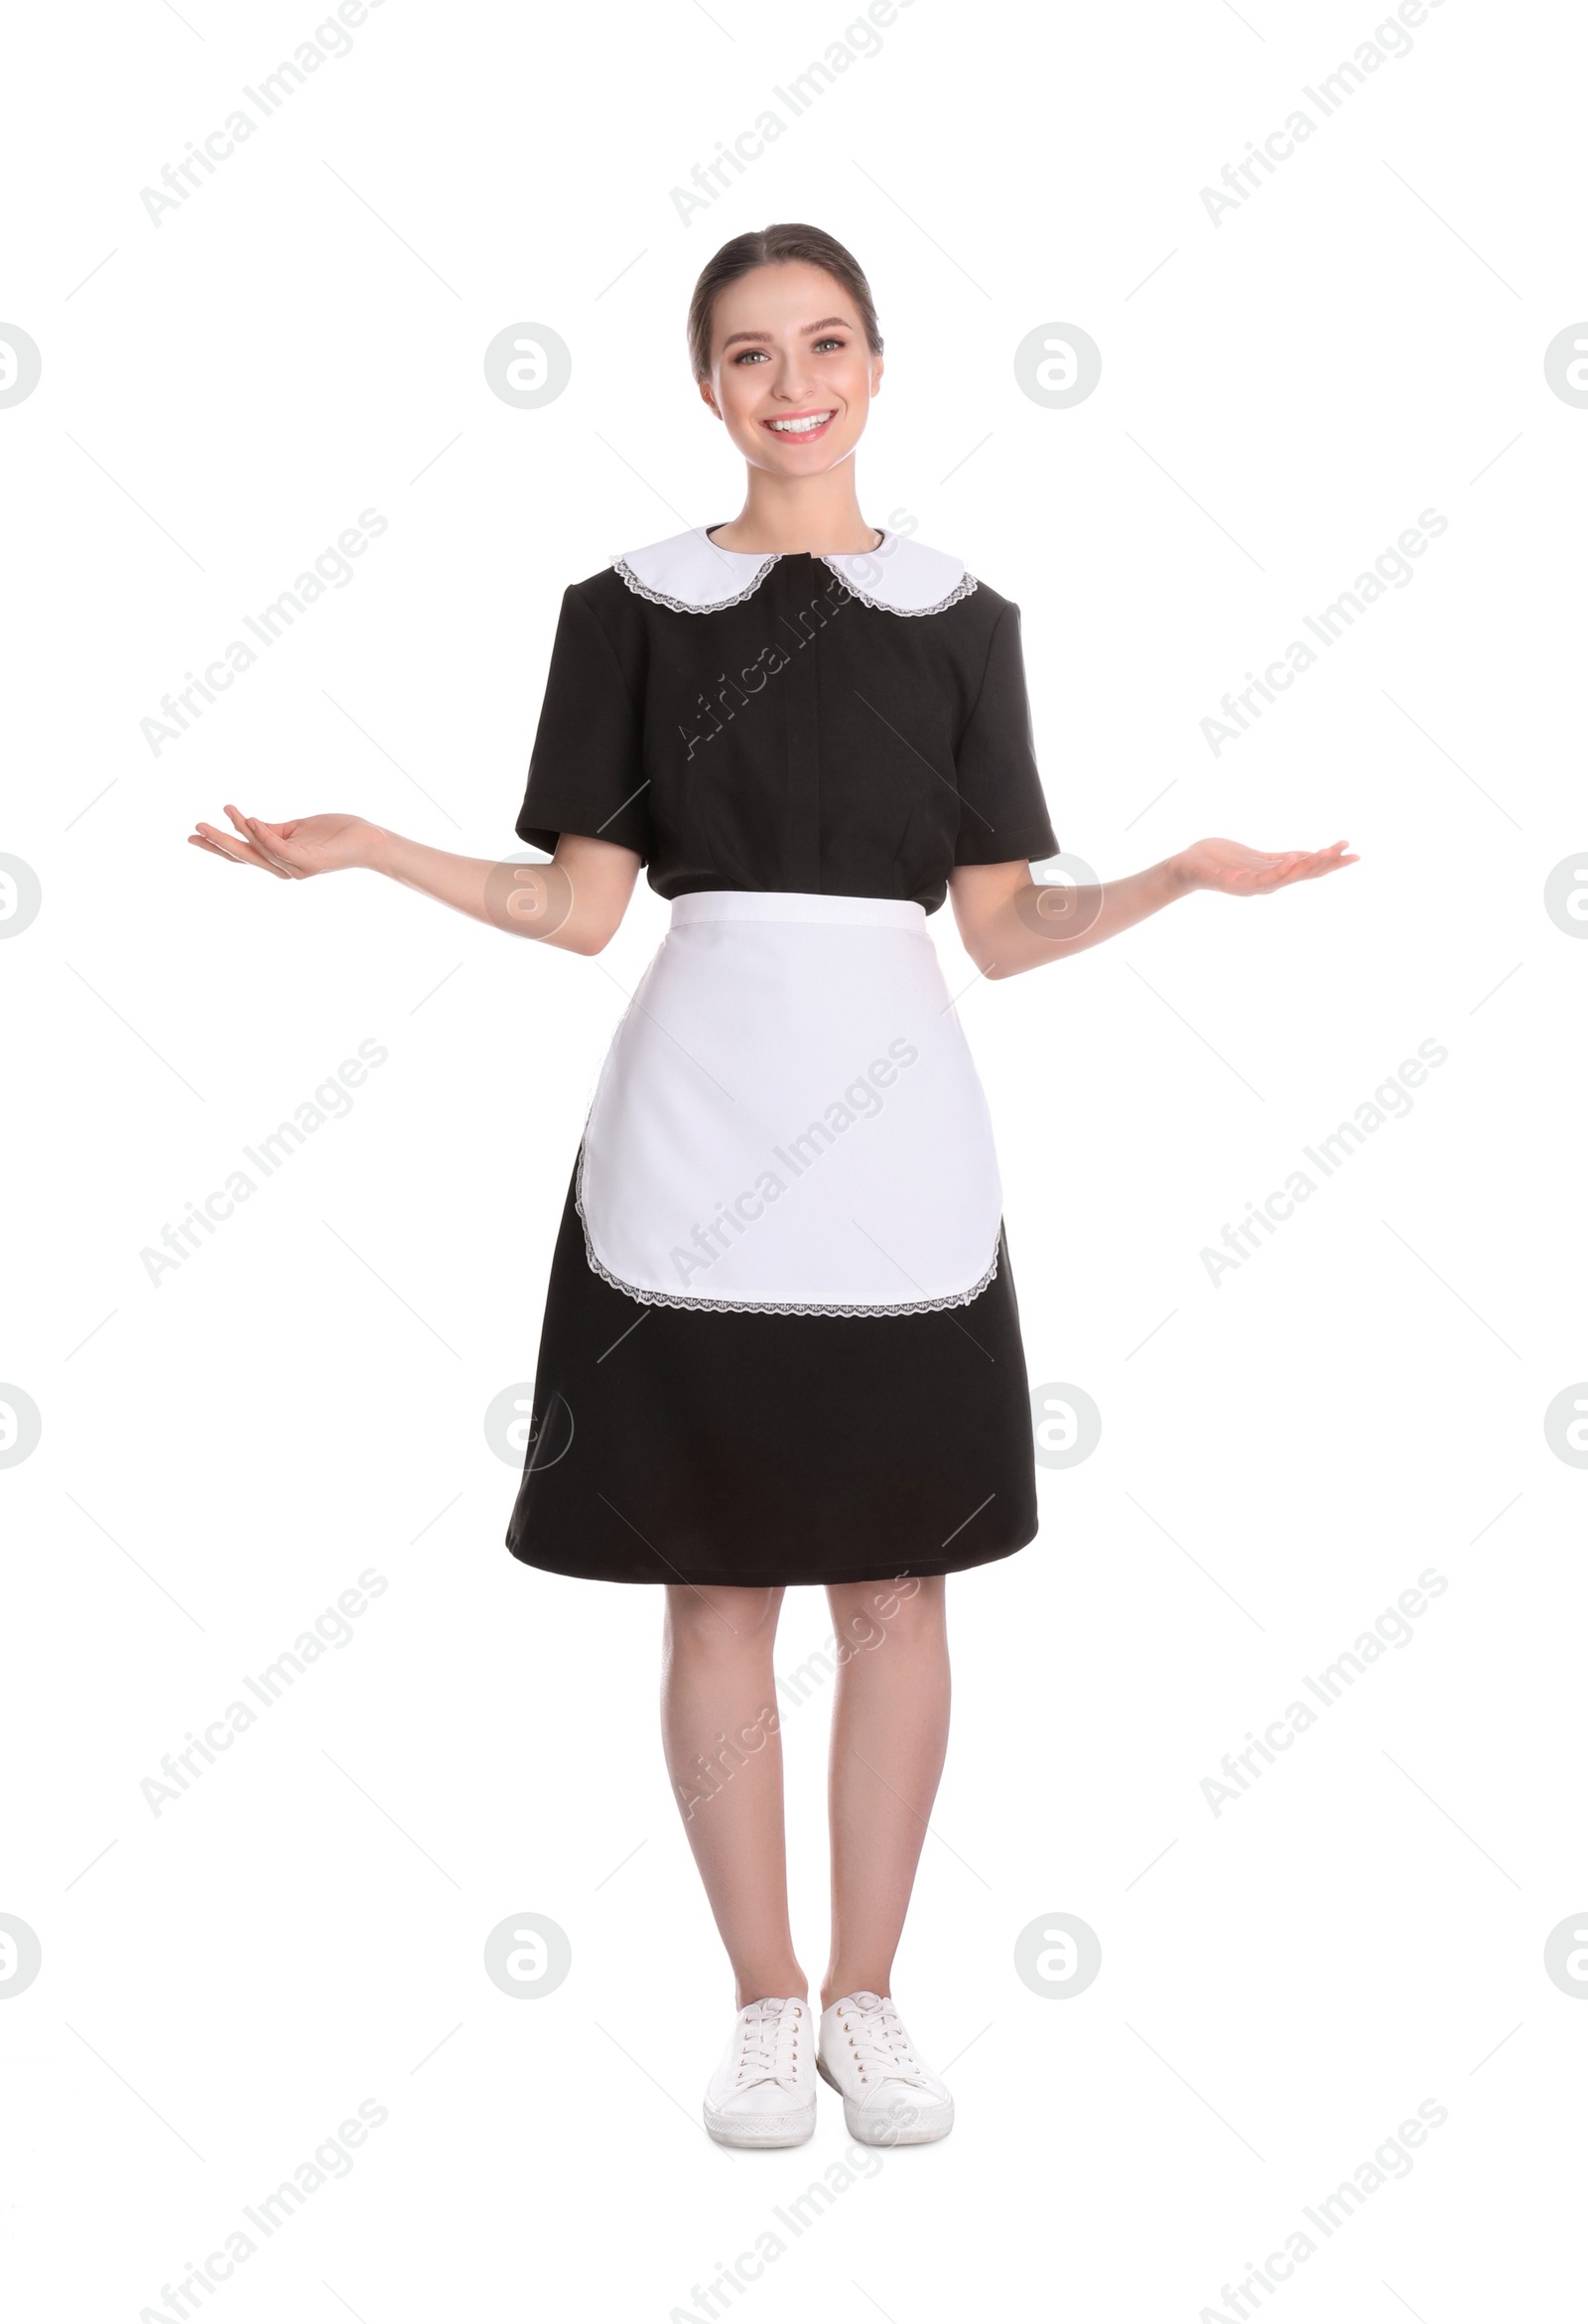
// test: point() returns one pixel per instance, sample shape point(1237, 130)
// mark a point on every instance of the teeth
point(801, 427)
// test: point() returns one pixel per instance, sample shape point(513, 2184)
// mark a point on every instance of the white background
point(1282, 393)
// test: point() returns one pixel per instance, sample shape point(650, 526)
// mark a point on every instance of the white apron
point(788, 1119)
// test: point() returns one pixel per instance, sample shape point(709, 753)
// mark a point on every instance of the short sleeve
point(586, 772)
point(1004, 817)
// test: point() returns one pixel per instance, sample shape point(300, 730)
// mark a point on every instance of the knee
point(867, 1612)
point(722, 1620)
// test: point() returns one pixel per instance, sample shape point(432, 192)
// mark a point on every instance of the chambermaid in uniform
point(781, 1343)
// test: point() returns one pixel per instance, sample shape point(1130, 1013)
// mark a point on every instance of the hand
point(295, 849)
point(1234, 870)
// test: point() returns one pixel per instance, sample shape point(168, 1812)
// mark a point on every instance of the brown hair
point(773, 246)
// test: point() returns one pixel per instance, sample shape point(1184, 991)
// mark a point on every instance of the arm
point(575, 901)
point(1007, 921)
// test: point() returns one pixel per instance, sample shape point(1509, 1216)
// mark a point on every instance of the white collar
point(690, 573)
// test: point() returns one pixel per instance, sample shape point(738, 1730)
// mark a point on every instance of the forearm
point(1034, 923)
point(526, 899)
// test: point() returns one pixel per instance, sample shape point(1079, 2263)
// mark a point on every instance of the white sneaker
point(890, 2098)
point(763, 2093)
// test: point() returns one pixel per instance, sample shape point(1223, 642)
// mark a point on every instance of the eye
point(829, 343)
point(749, 355)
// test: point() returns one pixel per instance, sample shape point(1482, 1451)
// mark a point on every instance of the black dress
point(829, 728)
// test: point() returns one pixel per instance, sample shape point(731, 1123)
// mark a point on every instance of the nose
point(790, 383)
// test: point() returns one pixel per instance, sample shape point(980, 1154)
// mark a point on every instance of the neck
point(818, 516)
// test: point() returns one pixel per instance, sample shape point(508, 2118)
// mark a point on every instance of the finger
point(240, 850)
point(260, 851)
point(256, 854)
point(269, 849)
point(268, 837)
point(219, 844)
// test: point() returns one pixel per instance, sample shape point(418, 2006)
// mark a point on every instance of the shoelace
point(882, 2047)
point(769, 2042)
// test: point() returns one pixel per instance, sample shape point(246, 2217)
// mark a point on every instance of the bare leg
point(724, 1754)
point(890, 1729)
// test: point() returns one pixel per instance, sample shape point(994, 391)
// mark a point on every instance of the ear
point(708, 398)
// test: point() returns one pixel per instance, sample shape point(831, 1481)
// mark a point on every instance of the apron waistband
point(740, 903)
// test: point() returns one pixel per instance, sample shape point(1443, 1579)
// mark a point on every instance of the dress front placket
point(799, 634)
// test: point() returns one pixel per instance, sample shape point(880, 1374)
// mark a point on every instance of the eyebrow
point(805, 327)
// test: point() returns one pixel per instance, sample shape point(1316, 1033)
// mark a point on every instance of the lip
point(807, 435)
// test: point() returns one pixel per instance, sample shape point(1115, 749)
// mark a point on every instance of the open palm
point(1233, 870)
point(292, 851)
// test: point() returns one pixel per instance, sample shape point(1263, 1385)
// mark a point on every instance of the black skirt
point(688, 1444)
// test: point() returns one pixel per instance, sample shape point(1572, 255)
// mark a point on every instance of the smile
point(801, 424)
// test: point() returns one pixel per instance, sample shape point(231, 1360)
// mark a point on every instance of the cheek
point(853, 381)
point(739, 393)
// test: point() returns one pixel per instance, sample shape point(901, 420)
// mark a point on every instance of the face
point(787, 346)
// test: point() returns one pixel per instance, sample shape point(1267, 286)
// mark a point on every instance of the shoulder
point(690, 573)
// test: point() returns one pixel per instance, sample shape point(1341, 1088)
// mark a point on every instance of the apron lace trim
point(769, 1306)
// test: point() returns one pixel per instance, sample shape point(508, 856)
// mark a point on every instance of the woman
point(781, 1343)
